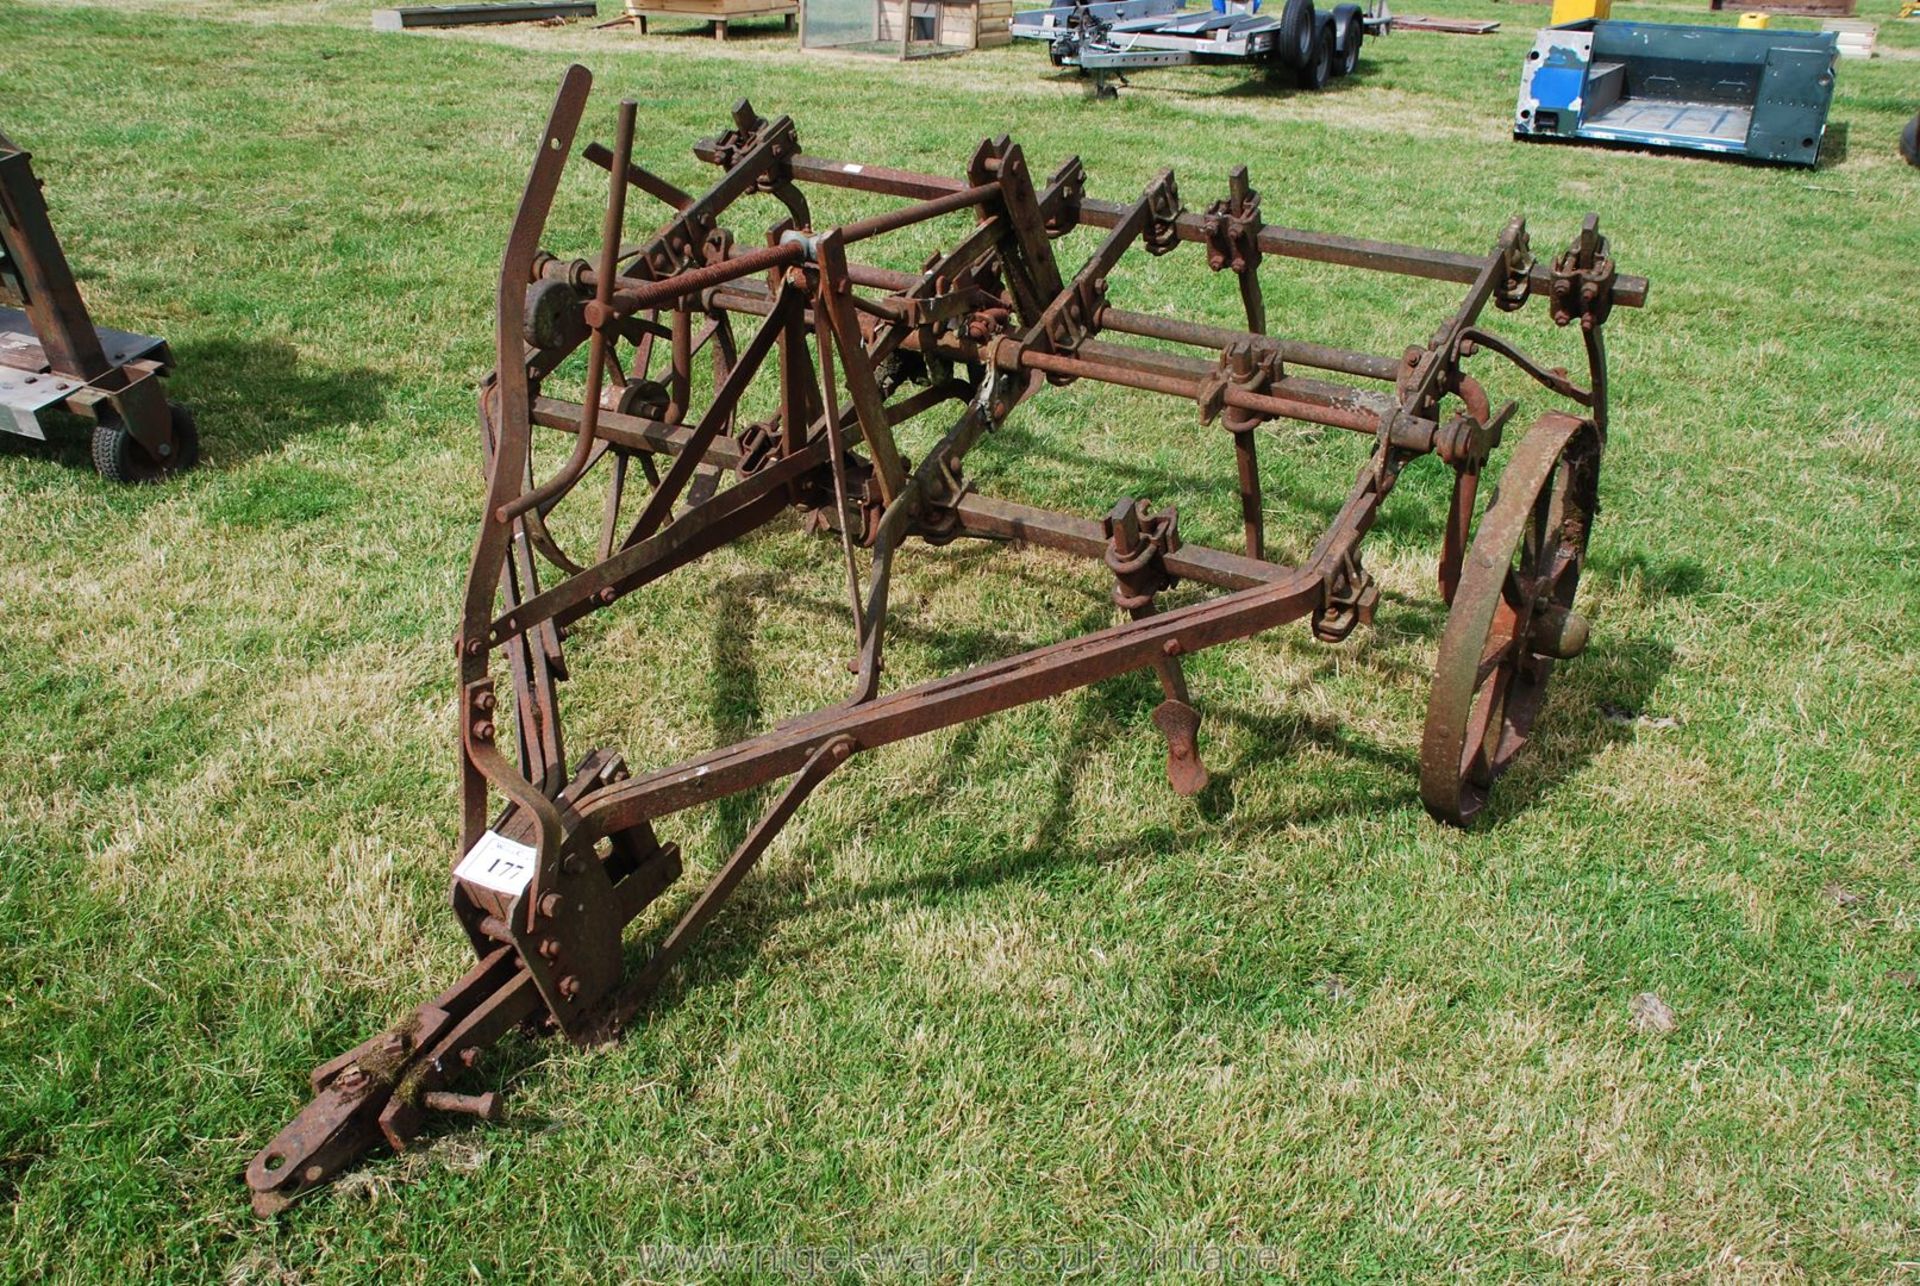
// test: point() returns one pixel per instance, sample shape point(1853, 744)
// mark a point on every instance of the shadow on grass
point(1594, 704)
point(252, 396)
point(1678, 576)
point(1252, 79)
point(1833, 148)
point(1154, 481)
point(247, 397)
point(733, 701)
point(1278, 83)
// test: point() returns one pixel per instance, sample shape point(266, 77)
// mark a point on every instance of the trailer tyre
point(1298, 23)
point(1349, 29)
point(1910, 141)
point(1319, 65)
point(119, 457)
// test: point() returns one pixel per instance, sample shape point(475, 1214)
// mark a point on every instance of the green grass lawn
point(998, 985)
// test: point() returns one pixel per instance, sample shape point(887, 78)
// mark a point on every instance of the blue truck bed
point(1762, 94)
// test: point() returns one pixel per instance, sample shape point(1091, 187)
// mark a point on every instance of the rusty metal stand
point(53, 358)
point(556, 863)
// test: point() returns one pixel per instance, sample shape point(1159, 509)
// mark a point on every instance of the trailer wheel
point(1349, 29)
point(1348, 58)
point(1298, 23)
point(1910, 141)
point(119, 457)
point(1512, 616)
point(1319, 65)
point(1348, 39)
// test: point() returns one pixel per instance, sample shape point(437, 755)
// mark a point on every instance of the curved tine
point(796, 202)
point(530, 524)
point(1596, 346)
point(542, 539)
point(610, 506)
point(597, 352)
point(836, 454)
point(1558, 383)
point(1459, 533)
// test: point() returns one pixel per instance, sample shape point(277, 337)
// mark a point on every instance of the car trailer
point(54, 359)
point(558, 854)
point(1107, 39)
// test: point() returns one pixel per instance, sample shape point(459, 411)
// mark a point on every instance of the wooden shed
point(951, 24)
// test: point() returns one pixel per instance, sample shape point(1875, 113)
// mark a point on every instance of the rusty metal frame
point(548, 883)
point(50, 342)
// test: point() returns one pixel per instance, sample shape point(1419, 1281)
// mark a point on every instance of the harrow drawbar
point(559, 857)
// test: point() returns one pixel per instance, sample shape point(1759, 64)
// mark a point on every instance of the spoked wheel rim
point(1512, 617)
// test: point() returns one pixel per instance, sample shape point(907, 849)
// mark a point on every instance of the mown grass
point(997, 985)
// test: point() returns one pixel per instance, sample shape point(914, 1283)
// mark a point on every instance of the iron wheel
point(1512, 617)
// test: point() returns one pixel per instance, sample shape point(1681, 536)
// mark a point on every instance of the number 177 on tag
point(498, 863)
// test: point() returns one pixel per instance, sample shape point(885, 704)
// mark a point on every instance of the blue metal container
point(1762, 94)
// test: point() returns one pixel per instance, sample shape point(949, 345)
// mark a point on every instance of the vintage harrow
point(850, 351)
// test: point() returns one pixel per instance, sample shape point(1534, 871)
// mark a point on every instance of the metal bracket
point(1583, 279)
point(1249, 365)
point(1138, 543)
point(1233, 226)
point(1349, 601)
point(1162, 232)
point(1516, 287)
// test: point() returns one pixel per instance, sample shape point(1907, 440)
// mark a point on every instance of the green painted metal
point(1762, 94)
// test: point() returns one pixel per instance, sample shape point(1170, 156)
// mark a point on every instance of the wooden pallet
point(1452, 26)
point(1807, 8)
point(717, 12)
point(1857, 39)
point(468, 15)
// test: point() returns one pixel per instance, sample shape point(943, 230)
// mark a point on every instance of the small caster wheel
point(119, 457)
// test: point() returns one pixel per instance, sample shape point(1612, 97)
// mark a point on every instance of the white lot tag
point(499, 863)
